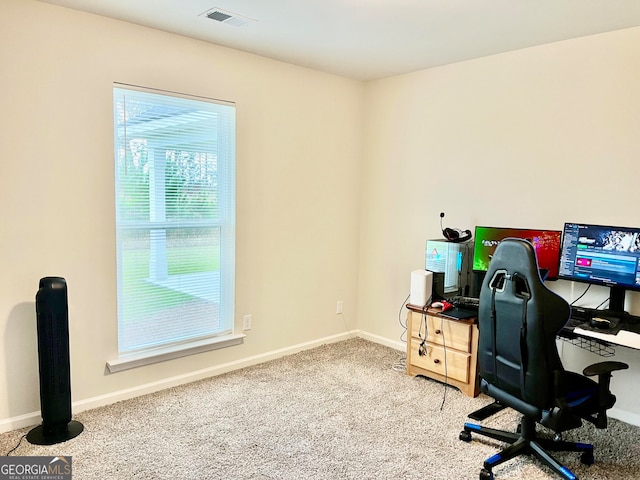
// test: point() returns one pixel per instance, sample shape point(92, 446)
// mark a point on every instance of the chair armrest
point(603, 368)
point(606, 399)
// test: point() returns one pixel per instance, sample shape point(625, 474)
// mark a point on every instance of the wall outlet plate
point(246, 322)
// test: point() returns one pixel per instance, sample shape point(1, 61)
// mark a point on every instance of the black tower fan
point(53, 357)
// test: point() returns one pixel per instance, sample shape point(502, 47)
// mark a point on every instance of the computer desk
point(599, 341)
point(602, 341)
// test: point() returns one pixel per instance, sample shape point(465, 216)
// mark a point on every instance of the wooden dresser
point(443, 349)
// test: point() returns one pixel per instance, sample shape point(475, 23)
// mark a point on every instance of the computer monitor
point(602, 255)
point(545, 242)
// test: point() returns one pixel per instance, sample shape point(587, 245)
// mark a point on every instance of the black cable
point(422, 349)
point(603, 302)
point(446, 374)
point(469, 257)
point(16, 447)
point(403, 325)
point(401, 365)
point(583, 294)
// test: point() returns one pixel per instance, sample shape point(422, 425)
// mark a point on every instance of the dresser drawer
point(456, 365)
point(441, 331)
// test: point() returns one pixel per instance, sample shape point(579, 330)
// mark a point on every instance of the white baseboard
point(34, 418)
point(625, 416)
point(21, 421)
point(395, 344)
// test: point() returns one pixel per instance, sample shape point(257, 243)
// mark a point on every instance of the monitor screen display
point(602, 255)
point(545, 242)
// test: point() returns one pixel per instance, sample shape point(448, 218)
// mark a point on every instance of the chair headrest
point(514, 263)
point(515, 255)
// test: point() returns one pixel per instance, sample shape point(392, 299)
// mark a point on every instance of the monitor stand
point(616, 305)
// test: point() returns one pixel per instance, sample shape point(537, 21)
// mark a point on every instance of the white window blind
point(175, 217)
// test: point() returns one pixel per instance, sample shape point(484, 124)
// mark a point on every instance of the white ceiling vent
point(228, 18)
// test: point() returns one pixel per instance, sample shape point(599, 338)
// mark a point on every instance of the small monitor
point(602, 255)
point(545, 242)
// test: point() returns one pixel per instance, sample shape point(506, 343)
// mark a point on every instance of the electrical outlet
point(339, 307)
point(246, 322)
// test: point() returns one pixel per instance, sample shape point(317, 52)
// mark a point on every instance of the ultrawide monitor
point(602, 255)
point(545, 242)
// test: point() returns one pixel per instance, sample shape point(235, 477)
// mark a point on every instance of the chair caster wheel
point(465, 436)
point(587, 458)
point(486, 474)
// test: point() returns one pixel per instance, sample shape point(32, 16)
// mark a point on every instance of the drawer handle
point(438, 332)
point(436, 360)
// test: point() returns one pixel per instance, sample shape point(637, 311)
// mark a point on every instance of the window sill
point(126, 362)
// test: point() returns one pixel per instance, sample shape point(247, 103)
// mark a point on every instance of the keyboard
point(468, 303)
point(573, 323)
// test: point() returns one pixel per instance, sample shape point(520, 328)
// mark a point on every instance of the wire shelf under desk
point(593, 346)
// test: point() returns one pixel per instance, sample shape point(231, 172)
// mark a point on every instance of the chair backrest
point(519, 318)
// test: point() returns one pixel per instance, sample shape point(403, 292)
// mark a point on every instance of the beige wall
point(323, 163)
point(298, 165)
point(531, 138)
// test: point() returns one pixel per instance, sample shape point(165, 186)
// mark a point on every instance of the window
point(175, 218)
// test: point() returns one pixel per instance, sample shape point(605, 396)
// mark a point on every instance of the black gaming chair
point(520, 367)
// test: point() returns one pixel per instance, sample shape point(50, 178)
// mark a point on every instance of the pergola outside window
point(175, 217)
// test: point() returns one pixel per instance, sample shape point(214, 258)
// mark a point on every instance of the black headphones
point(455, 234)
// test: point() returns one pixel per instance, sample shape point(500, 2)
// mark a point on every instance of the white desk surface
point(623, 337)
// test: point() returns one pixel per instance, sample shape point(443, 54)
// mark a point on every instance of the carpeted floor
point(340, 411)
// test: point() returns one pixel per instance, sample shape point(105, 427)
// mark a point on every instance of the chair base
point(527, 442)
point(486, 411)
